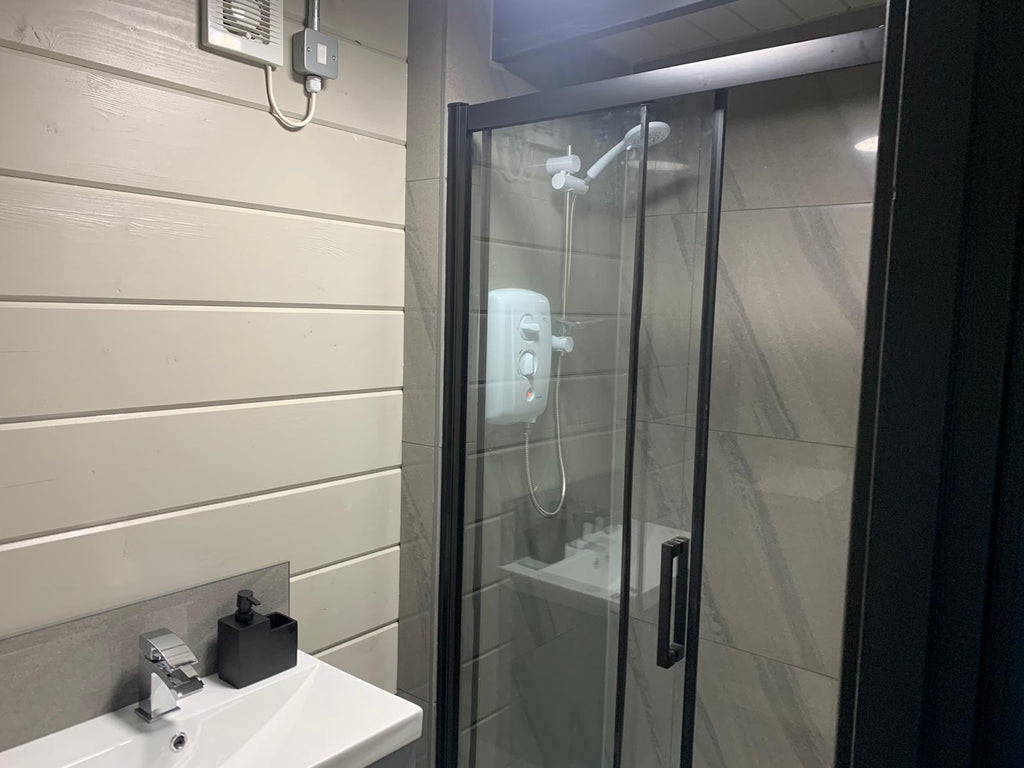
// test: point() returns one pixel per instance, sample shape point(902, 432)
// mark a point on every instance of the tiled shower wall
point(791, 290)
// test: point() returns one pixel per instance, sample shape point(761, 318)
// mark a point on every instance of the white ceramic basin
point(311, 716)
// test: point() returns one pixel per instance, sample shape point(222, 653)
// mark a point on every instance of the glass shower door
point(664, 540)
point(554, 209)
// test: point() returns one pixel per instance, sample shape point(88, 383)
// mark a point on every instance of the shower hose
point(570, 208)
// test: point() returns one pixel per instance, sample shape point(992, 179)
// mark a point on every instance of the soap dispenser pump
point(244, 603)
point(252, 646)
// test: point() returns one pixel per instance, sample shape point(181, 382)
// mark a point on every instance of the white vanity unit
point(311, 716)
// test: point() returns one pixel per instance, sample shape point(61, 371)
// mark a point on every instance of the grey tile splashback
point(65, 674)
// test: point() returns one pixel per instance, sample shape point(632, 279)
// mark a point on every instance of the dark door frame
point(926, 614)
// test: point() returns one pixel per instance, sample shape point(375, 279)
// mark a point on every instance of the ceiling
point(681, 37)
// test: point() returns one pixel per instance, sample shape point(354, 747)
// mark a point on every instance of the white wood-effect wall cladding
point(60, 241)
point(346, 517)
point(67, 473)
point(200, 318)
point(63, 358)
point(102, 129)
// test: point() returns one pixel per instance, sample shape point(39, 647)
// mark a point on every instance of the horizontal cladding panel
point(110, 131)
point(380, 24)
point(66, 473)
point(372, 657)
point(309, 527)
point(67, 241)
point(75, 358)
point(156, 39)
point(345, 600)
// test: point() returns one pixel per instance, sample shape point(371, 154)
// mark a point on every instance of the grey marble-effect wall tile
point(775, 548)
point(502, 741)
point(471, 76)
point(596, 346)
point(489, 544)
point(562, 685)
point(416, 655)
point(419, 414)
point(537, 618)
point(674, 169)
point(425, 744)
point(791, 142)
point(696, 318)
point(539, 222)
point(426, 94)
point(525, 210)
point(593, 284)
point(586, 404)
point(62, 675)
point(497, 479)
point(671, 270)
point(753, 712)
point(663, 472)
point(652, 723)
point(487, 685)
point(663, 394)
point(662, 495)
point(666, 350)
point(422, 256)
point(420, 403)
point(422, 343)
point(789, 322)
point(417, 572)
point(418, 523)
point(487, 619)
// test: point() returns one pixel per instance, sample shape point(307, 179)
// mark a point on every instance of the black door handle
point(672, 618)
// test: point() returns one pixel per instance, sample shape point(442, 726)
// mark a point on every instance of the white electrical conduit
point(292, 125)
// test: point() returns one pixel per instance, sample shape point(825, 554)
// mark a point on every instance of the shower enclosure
point(653, 329)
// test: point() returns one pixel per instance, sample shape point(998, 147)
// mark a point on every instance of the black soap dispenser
point(252, 647)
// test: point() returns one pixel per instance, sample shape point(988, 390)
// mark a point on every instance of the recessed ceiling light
point(869, 144)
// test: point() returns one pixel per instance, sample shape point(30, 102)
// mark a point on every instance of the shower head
point(657, 132)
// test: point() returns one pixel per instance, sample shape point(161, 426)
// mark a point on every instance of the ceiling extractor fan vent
point(249, 29)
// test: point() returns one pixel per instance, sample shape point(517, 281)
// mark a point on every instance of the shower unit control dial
point(529, 328)
point(518, 355)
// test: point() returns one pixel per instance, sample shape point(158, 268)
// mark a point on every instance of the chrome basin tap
point(166, 673)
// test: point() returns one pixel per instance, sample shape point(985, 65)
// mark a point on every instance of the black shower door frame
point(644, 89)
